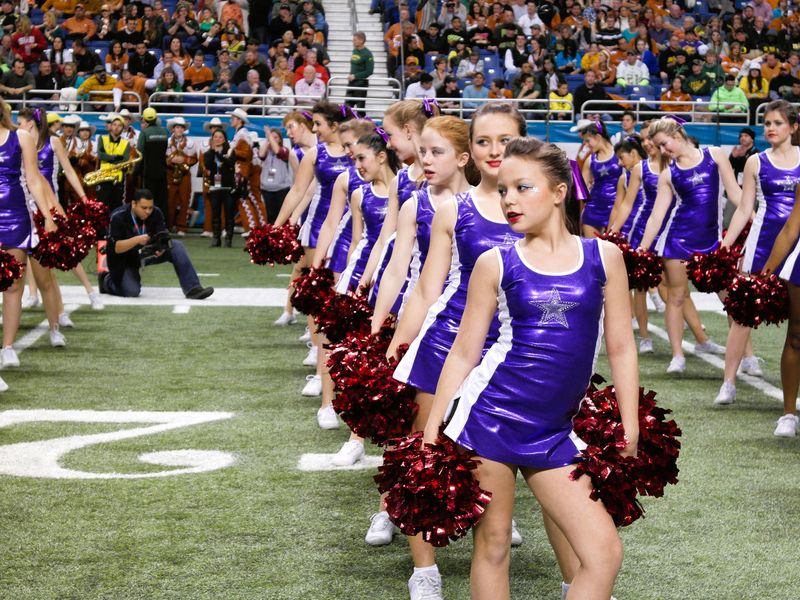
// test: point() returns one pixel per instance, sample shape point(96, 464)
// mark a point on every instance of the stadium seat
point(210, 60)
point(194, 105)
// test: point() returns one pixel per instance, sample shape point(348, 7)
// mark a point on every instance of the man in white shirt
point(310, 88)
point(167, 60)
point(529, 19)
point(421, 89)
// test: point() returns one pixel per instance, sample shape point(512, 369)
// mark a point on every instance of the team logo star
point(697, 178)
point(553, 310)
point(603, 171)
point(788, 183)
point(508, 239)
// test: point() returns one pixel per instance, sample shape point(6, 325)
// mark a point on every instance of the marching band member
point(181, 156)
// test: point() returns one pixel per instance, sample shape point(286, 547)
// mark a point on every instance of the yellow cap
point(149, 114)
point(53, 118)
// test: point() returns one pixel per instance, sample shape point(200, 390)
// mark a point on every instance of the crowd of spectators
point(60, 52)
point(713, 58)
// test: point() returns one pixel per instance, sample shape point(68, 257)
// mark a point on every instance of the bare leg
point(32, 289)
point(692, 318)
point(298, 266)
point(640, 312)
point(568, 562)
point(51, 294)
point(80, 273)
point(422, 552)
point(12, 303)
point(677, 285)
point(738, 335)
point(790, 358)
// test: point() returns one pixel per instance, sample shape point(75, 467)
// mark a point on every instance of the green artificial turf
point(261, 529)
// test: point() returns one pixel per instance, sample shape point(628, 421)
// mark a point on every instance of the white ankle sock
point(432, 570)
point(564, 590)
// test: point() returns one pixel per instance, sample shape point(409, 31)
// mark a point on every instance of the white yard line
point(181, 309)
point(168, 296)
point(30, 338)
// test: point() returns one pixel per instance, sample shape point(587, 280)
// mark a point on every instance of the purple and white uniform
point(517, 405)
point(373, 211)
point(344, 231)
point(648, 191)
point(48, 165)
point(326, 170)
point(473, 235)
point(422, 242)
point(300, 153)
point(16, 225)
point(627, 227)
point(775, 192)
point(605, 175)
point(695, 222)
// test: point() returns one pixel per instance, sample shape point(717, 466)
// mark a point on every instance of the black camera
point(159, 242)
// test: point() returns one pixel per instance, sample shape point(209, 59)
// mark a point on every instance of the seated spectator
point(669, 56)
point(411, 72)
point(481, 36)
point(549, 78)
point(606, 73)
point(60, 8)
point(8, 16)
point(181, 56)
point(183, 27)
point(131, 13)
point(414, 48)
point(591, 58)
point(311, 61)
point(207, 20)
point(283, 23)
point(526, 88)
point(568, 60)
point(308, 13)
point(153, 27)
point(123, 98)
point(46, 79)
point(531, 17)
point(590, 89)
point(17, 81)
point(308, 36)
point(51, 29)
point(793, 95)
point(211, 40)
point(168, 88)
point(713, 70)
point(168, 61)
point(251, 63)
point(27, 42)
point(433, 40)
point(69, 82)
point(680, 68)
point(421, 89)
point(141, 62)
point(252, 90)
point(756, 88)
point(229, 10)
point(279, 95)
point(310, 88)
point(452, 9)
point(632, 71)
point(498, 90)
point(456, 28)
point(448, 96)
point(233, 37)
point(100, 81)
point(475, 92)
point(79, 27)
point(129, 36)
point(458, 52)
point(116, 59)
point(222, 85)
point(646, 55)
point(696, 83)
point(105, 24)
point(505, 34)
point(676, 93)
point(58, 54)
point(628, 123)
point(771, 66)
point(85, 60)
point(198, 77)
point(515, 57)
point(561, 102)
point(439, 72)
point(224, 61)
point(282, 70)
point(469, 67)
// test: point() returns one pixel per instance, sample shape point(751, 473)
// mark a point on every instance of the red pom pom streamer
point(617, 479)
point(431, 489)
point(90, 212)
point(756, 299)
point(269, 245)
point(714, 271)
point(370, 401)
point(65, 248)
point(311, 290)
point(342, 314)
point(643, 266)
point(10, 270)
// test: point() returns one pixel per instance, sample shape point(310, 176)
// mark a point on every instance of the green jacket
point(362, 64)
point(722, 98)
point(152, 147)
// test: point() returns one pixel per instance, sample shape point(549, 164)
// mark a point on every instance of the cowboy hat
point(126, 114)
point(215, 122)
point(239, 113)
point(177, 121)
point(73, 120)
point(85, 125)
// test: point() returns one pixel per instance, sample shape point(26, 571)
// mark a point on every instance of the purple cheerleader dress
point(48, 165)
point(517, 405)
point(16, 225)
point(422, 242)
point(474, 234)
point(605, 175)
point(326, 171)
point(373, 211)
point(775, 192)
point(649, 190)
point(344, 231)
point(695, 221)
point(627, 227)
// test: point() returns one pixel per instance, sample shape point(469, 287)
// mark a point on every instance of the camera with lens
point(159, 242)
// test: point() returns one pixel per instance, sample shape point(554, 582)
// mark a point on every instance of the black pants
point(222, 199)
point(158, 187)
point(112, 195)
point(127, 281)
point(273, 202)
point(357, 98)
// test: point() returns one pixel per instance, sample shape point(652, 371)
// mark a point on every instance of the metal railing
point(259, 104)
point(351, 4)
point(696, 111)
point(85, 104)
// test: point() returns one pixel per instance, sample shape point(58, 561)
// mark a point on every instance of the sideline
point(30, 338)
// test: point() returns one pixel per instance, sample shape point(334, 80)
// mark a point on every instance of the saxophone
point(109, 173)
point(179, 170)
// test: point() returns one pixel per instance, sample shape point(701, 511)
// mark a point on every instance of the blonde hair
point(667, 126)
point(5, 116)
point(407, 112)
point(358, 127)
point(456, 131)
point(24, 25)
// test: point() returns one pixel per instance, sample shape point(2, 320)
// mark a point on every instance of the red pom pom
point(643, 266)
point(311, 290)
point(370, 401)
point(274, 245)
point(90, 212)
point(714, 271)
point(741, 239)
point(431, 489)
point(342, 314)
point(617, 479)
point(10, 270)
point(66, 247)
point(755, 299)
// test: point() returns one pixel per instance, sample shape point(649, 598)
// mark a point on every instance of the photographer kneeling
point(138, 237)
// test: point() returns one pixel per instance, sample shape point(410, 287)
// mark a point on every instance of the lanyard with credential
point(139, 231)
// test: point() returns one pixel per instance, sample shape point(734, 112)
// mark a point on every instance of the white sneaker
point(424, 586)
point(9, 356)
point(31, 301)
point(787, 426)
point(349, 454)
point(65, 321)
point(285, 319)
point(306, 337)
point(57, 339)
point(3, 385)
point(677, 365)
point(96, 301)
point(313, 386)
point(658, 303)
point(516, 536)
point(311, 358)
point(727, 394)
point(646, 346)
point(381, 530)
point(709, 347)
point(750, 366)
point(326, 418)
point(207, 234)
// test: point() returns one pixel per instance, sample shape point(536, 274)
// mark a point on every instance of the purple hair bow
point(307, 115)
point(678, 120)
point(428, 104)
point(382, 132)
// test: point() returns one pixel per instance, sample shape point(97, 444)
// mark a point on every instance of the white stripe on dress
point(751, 244)
point(662, 240)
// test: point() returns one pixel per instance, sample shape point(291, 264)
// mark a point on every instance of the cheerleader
point(601, 173)
point(17, 234)
point(771, 178)
point(553, 292)
point(464, 226)
point(298, 128)
point(694, 223)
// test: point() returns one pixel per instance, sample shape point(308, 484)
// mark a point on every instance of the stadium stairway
point(339, 16)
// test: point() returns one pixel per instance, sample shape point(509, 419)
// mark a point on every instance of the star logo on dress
point(603, 171)
point(553, 310)
point(788, 183)
point(697, 178)
point(508, 239)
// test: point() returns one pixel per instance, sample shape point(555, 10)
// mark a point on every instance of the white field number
point(42, 458)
